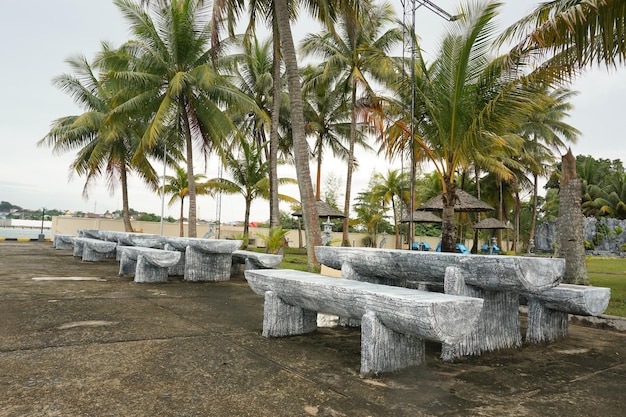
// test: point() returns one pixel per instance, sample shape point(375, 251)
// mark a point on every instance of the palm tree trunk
point(273, 161)
point(518, 213)
point(346, 206)
point(182, 215)
point(128, 227)
point(533, 218)
point(301, 151)
point(395, 223)
point(246, 224)
point(447, 219)
point(318, 186)
point(191, 227)
point(570, 244)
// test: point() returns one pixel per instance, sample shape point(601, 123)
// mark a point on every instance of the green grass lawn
point(603, 272)
point(610, 272)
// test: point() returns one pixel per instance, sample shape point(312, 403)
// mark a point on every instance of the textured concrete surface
point(76, 339)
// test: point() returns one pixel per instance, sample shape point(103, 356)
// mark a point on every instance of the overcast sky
point(39, 35)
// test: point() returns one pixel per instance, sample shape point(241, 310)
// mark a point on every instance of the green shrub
point(618, 230)
point(275, 239)
point(589, 245)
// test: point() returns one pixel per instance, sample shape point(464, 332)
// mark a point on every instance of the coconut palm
point(546, 132)
point(179, 85)
point(178, 186)
point(391, 189)
point(249, 172)
point(326, 119)
point(467, 103)
point(356, 53)
point(107, 141)
point(572, 33)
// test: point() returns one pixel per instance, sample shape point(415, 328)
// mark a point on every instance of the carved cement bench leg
point(204, 266)
point(179, 268)
point(544, 324)
point(548, 312)
point(282, 319)
point(63, 242)
point(498, 325)
point(128, 263)
point(78, 249)
point(385, 350)
point(149, 272)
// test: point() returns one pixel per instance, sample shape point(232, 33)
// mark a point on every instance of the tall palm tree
point(178, 186)
point(546, 132)
point(325, 118)
point(249, 172)
point(107, 141)
point(390, 189)
point(172, 62)
point(572, 34)
point(356, 53)
point(467, 103)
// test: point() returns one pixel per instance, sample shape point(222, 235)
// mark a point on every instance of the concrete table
point(498, 280)
point(146, 264)
point(93, 249)
point(205, 259)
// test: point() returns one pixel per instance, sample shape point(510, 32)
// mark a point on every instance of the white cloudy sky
point(38, 35)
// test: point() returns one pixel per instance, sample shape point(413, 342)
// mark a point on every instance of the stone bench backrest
point(398, 267)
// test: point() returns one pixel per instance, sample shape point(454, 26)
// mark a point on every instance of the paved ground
point(110, 347)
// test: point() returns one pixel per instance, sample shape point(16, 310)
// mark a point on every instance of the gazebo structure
point(465, 202)
point(491, 223)
point(324, 210)
point(419, 216)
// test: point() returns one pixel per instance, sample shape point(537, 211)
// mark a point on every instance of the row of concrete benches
point(468, 303)
point(152, 258)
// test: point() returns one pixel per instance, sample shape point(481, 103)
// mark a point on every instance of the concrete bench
point(394, 321)
point(62, 241)
point(253, 260)
point(146, 264)
point(93, 249)
point(90, 233)
point(146, 240)
point(548, 312)
point(205, 259)
point(498, 280)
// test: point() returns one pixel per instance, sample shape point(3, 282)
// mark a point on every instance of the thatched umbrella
point(419, 216)
point(323, 210)
point(464, 202)
point(491, 223)
point(422, 217)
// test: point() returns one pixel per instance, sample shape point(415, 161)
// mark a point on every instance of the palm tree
point(250, 177)
point(178, 186)
point(466, 104)
point(172, 64)
point(545, 132)
point(572, 34)
point(107, 141)
point(389, 189)
point(356, 53)
point(325, 118)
